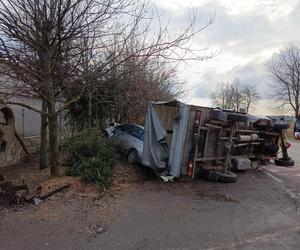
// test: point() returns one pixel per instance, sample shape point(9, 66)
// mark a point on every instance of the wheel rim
point(132, 157)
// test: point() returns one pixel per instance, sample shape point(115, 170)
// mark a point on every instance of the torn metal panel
point(155, 142)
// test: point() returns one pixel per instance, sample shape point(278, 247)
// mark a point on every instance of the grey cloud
point(252, 73)
point(241, 36)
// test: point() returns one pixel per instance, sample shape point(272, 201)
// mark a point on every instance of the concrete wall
point(28, 122)
point(11, 151)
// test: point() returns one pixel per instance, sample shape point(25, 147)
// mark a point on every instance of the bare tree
point(40, 49)
point(285, 70)
point(235, 95)
point(238, 94)
point(54, 50)
point(223, 96)
point(250, 96)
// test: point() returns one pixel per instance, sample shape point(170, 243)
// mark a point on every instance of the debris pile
point(14, 193)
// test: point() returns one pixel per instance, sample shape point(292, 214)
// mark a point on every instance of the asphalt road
point(294, 151)
point(257, 212)
point(260, 211)
point(288, 177)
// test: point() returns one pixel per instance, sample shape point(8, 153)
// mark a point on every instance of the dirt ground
point(140, 212)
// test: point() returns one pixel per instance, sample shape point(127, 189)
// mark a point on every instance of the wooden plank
point(54, 191)
point(5, 184)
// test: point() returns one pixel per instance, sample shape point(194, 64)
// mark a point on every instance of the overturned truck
point(186, 140)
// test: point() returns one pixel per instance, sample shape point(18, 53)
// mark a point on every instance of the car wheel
point(132, 156)
point(284, 163)
point(228, 177)
point(105, 135)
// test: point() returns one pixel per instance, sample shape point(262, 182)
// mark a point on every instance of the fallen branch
point(54, 191)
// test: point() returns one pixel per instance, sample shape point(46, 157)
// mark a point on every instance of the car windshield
point(125, 128)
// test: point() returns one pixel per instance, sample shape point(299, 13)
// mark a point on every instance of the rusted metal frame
point(243, 130)
point(218, 142)
point(197, 144)
point(257, 132)
point(233, 157)
point(228, 152)
point(206, 142)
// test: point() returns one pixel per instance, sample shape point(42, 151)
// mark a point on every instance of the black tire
point(284, 163)
point(105, 135)
point(132, 156)
point(215, 176)
point(279, 127)
point(264, 162)
point(237, 117)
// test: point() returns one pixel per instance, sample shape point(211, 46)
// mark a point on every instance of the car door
point(130, 141)
point(137, 137)
point(121, 136)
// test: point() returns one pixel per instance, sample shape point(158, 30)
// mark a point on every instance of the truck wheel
point(284, 163)
point(237, 117)
point(279, 127)
point(132, 156)
point(212, 176)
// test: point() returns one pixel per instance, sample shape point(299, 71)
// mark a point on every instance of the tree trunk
point(53, 142)
point(44, 139)
point(89, 109)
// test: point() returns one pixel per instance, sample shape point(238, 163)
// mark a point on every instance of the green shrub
point(92, 157)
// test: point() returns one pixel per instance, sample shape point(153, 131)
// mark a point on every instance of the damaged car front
point(130, 138)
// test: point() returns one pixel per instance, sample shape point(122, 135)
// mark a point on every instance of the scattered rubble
point(14, 193)
point(19, 193)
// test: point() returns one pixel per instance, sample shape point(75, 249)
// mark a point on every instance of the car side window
point(137, 132)
point(140, 134)
point(132, 130)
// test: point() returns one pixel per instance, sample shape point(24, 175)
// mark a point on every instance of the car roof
point(138, 126)
point(132, 124)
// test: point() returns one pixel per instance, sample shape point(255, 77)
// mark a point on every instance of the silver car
point(130, 137)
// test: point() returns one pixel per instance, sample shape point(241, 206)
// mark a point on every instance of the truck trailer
point(183, 140)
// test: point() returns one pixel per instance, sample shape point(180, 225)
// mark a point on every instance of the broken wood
point(20, 196)
point(54, 191)
point(6, 184)
point(11, 190)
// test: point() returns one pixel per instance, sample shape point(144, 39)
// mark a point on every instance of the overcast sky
point(245, 35)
